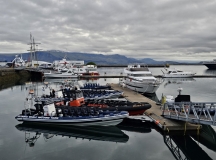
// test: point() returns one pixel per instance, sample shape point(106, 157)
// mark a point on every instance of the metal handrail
point(194, 112)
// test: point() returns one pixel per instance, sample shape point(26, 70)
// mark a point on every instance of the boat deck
point(155, 112)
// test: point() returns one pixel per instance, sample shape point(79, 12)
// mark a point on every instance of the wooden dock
point(155, 112)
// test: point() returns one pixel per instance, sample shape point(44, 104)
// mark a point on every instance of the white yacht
point(174, 73)
point(81, 70)
point(66, 64)
point(85, 70)
point(16, 62)
point(140, 79)
point(68, 74)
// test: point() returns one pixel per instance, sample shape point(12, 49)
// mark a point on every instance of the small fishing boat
point(134, 108)
point(78, 117)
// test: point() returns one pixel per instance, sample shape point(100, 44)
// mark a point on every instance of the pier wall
point(10, 77)
point(123, 66)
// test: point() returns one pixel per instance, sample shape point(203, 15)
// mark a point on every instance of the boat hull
point(177, 75)
point(79, 121)
point(132, 110)
point(59, 76)
point(141, 87)
point(210, 66)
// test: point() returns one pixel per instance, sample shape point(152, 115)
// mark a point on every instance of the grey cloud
point(134, 28)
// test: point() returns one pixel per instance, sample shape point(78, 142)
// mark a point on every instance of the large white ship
point(140, 79)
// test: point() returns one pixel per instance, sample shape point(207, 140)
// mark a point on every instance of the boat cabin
point(75, 97)
point(173, 72)
point(137, 67)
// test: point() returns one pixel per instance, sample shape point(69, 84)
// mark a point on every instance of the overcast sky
point(159, 29)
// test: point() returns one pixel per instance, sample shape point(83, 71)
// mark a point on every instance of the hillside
point(114, 59)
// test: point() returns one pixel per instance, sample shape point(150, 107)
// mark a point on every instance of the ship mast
point(33, 50)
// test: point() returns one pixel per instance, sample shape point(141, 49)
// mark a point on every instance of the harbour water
point(122, 143)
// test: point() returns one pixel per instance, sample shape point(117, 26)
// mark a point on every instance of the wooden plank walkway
point(155, 112)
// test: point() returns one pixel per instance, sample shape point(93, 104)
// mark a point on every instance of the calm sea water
point(121, 143)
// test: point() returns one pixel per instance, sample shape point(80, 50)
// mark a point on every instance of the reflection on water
point(207, 137)
point(210, 71)
point(181, 146)
point(100, 133)
point(184, 147)
point(168, 81)
point(8, 84)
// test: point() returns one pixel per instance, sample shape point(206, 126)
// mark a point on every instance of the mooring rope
point(198, 132)
point(185, 128)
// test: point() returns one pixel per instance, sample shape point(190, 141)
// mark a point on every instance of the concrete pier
point(157, 76)
point(10, 74)
point(155, 112)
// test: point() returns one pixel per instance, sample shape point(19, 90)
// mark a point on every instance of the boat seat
point(38, 107)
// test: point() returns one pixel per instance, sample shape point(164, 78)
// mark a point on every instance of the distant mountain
point(101, 59)
point(151, 61)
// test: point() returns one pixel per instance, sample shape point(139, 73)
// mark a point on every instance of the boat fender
point(157, 122)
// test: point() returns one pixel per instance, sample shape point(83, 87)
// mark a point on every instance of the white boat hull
point(178, 75)
point(141, 87)
point(95, 121)
point(60, 76)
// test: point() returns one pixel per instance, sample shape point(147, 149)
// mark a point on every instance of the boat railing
point(193, 112)
point(149, 81)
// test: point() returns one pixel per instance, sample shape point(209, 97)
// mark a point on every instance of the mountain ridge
point(113, 59)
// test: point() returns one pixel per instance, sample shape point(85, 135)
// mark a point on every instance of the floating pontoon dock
point(155, 112)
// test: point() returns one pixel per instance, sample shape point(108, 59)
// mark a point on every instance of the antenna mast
point(33, 50)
